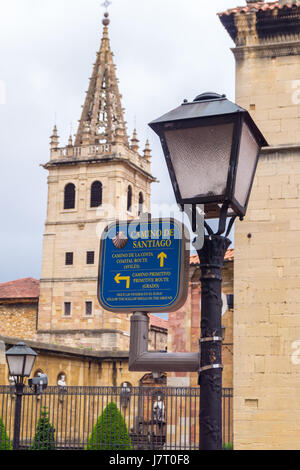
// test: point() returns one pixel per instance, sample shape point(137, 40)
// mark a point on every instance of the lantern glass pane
point(246, 165)
point(29, 365)
point(200, 157)
point(15, 364)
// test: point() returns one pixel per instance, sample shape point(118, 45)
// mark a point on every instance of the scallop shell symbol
point(120, 240)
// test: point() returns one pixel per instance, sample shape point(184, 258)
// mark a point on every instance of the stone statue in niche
point(61, 382)
point(159, 410)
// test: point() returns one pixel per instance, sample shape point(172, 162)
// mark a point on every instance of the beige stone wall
point(18, 320)
point(267, 309)
point(267, 260)
point(269, 89)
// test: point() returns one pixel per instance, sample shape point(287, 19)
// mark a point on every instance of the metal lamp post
point(20, 360)
point(211, 147)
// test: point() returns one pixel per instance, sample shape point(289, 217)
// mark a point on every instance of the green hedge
point(44, 435)
point(110, 431)
point(228, 446)
point(5, 443)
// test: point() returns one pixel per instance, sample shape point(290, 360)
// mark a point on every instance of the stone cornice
point(70, 279)
point(267, 50)
point(19, 300)
point(108, 220)
point(92, 161)
point(158, 329)
point(85, 332)
point(54, 349)
point(261, 21)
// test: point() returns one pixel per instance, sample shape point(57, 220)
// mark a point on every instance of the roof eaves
point(259, 6)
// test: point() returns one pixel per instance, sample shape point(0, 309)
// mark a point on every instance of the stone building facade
point(267, 250)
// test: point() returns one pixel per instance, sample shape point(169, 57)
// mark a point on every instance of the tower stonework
point(267, 243)
point(100, 177)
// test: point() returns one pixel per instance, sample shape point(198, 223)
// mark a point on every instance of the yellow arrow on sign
point(119, 278)
point(162, 257)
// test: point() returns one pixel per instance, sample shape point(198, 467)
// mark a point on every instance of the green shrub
point(5, 443)
point(44, 435)
point(228, 446)
point(110, 431)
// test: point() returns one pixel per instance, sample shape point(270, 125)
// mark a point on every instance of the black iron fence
point(164, 418)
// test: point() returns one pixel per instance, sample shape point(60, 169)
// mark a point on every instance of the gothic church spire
point(102, 120)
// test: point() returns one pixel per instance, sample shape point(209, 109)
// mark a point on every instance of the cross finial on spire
point(105, 20)
point(106, 4)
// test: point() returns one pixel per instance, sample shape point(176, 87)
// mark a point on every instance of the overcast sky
point(165, 51)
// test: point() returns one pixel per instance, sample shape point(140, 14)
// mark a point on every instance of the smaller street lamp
point(20, 360)
point(211, 147)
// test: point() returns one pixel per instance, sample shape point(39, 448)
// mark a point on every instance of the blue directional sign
point(143, 266)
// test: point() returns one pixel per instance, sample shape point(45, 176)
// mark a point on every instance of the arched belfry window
point(129, 198)
point(96, 194)
point(141, 203)
point(69, 196)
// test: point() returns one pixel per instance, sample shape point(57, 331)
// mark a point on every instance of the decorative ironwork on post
point(210, 377)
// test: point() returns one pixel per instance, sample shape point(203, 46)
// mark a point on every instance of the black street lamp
point(211, 147)
point(20, 360)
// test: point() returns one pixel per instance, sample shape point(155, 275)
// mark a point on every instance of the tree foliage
point(110, 431)
point(5, 443)
point(44, 435)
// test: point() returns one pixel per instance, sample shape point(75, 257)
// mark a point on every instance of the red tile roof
point(229, 255)
point(158, 322)
point(260, 6)
point(27, 288)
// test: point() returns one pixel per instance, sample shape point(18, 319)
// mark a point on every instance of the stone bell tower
point(98, 178)
point(267, 243)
